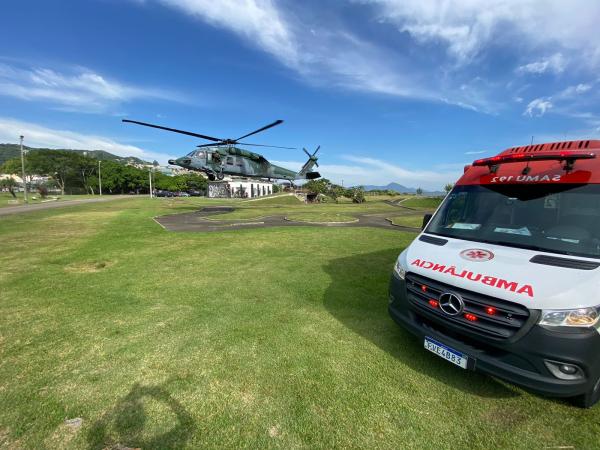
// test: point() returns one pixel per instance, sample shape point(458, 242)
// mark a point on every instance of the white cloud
point(468, 27)
point(257, 20)
point(40, 136)
point(81, 90)
point(573, 91)
point(538, 107)
point(554, 64)
point(570, 98)
point(331, 55)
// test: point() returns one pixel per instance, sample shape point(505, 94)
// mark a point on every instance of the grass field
point(321, 217)
point(256, 338)
point(7, 200)
point(414, 221)
point(422, 202)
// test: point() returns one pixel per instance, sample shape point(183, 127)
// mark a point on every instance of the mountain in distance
point(10, 151)
point(400, 189)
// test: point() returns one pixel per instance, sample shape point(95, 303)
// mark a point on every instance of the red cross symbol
point(477, 254)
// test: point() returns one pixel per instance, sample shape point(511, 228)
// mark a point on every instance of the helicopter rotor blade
point(266, 127)
point(263, 145)
point(215, 144)
point(306, 151)
point(174, 130)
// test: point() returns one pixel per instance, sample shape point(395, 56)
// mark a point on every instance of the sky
point(405, 91)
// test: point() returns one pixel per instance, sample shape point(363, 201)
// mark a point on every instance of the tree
point(85, 167)
point(10, 184)
point(419, 191)
point(358, 194)
point(12, 166)
point(320, 186)
point(60, 165)
point(43, 190)
point(448, 187)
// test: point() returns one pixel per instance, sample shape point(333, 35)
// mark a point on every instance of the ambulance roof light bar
point(569, 157)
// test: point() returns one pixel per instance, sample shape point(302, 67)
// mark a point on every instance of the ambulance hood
point(505, 273)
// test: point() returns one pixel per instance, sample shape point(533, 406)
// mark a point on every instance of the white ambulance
point(504, 278)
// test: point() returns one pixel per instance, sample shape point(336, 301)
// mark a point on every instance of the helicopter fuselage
point(219, 161)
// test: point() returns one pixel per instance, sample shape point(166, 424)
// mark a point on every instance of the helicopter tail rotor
point(305, 172)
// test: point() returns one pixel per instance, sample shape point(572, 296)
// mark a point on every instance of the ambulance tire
point(590, 398)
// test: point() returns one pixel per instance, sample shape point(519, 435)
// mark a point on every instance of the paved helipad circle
point(198, 221)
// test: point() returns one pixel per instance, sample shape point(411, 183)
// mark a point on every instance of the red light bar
point(470, 317)
point(524, 157)
point(433, 303)
point(490, 310)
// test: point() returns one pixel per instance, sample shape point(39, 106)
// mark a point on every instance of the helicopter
point(223, 157)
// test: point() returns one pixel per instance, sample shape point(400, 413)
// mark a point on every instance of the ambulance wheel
point(590, 398)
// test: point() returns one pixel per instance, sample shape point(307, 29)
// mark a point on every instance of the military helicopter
point(223, 157)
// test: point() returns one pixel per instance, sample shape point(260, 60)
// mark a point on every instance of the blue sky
point(393, 90)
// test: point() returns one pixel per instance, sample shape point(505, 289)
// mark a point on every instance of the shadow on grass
point(125, 424)
point(357, 297)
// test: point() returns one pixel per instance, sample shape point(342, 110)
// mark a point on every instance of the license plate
point(443, 351)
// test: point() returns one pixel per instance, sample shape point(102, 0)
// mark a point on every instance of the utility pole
point(150, 177)
point(23, 170)
point(99, 178)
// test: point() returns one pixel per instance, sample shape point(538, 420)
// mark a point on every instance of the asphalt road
point(57, 204)
point(198, 221)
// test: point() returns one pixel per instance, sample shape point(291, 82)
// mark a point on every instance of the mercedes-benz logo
point(451, 304)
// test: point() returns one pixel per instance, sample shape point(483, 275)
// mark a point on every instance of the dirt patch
point(504, 417)
point(61, 437)
point(274, 431)
point(88, 266)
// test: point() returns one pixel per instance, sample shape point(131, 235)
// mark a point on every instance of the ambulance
point(504, 278)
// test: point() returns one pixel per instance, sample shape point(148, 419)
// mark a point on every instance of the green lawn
point(408, 221)
point(321, 217)
point(422, 202)
point(33, 198)
point(240, 339)
point(283, 199)
point(255, 210)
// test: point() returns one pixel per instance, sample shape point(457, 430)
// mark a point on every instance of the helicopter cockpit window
point(230, 160)
point(199, 153)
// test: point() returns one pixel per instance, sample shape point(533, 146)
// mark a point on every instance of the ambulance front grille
point(484, 315)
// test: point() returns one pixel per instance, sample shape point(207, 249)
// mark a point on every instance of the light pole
point(23, 170)
point(150, 177)
point(99, 177)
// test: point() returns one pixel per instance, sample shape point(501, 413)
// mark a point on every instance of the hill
point(10, 151)
point(400, 189)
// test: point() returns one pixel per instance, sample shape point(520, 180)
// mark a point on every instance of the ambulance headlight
point(581, 317)
point(400, 271)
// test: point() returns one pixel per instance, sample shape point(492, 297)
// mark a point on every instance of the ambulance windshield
point(556, 218)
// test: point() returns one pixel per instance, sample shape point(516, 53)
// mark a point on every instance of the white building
point(239, 188)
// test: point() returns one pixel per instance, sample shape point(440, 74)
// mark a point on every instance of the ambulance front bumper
point(524, 361)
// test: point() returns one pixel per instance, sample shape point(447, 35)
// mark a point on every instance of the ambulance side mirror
point(426, 219)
